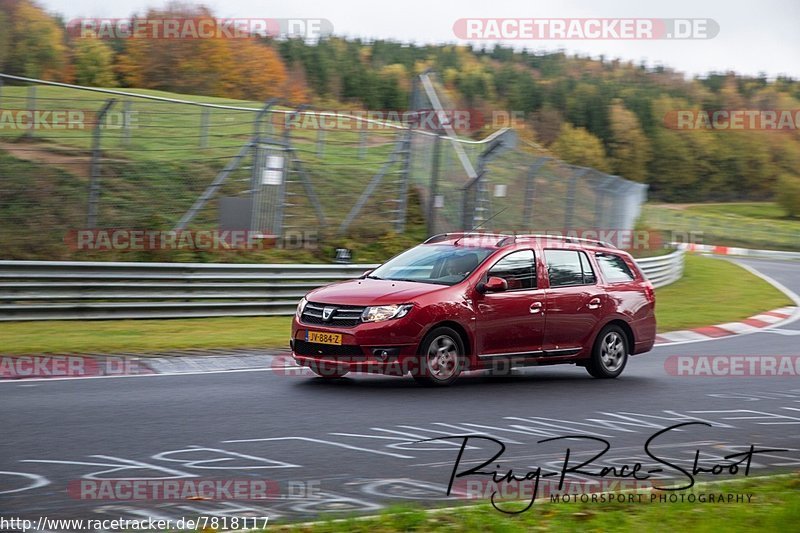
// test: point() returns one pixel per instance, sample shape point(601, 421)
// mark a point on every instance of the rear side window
point(568, 267)
point(518, 269)
point(614, 268)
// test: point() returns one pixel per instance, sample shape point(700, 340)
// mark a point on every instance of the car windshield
point(443, 264)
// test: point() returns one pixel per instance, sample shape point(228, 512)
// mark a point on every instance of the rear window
point(566, 268)
point(614, 268)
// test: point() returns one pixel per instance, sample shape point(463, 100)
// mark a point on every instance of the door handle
point(594, 303)
point(536, 307)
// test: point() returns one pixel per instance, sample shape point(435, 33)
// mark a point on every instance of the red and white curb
point(748, 325)
point(736, 251)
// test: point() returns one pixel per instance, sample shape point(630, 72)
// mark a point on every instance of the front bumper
point(388, 347)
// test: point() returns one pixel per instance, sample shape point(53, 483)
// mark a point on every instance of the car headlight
point(301, 306)
point(385, 312)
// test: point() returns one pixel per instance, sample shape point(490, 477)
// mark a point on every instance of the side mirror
point(493, 284)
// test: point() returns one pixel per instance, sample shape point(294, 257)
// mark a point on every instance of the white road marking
point(322, 441)
point(81, 378)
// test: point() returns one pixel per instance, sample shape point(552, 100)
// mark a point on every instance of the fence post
point(257, 171)
point(297, 164)
point(434, 185)
point(270, 125)
point(31, 106)
point(371, 186)
point(126, 123)
point(260, 219)
point(94, 174)
point(362, 144)
point(569, 211)
point(1, 92)
point(405, 172)
point(530, 192)
point(320, 142)
point(601, 190)
point(204, 116)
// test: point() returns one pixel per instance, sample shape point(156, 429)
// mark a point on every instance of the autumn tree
point(579, 147)
point(547, 123)
point(93, 63)
point(35, 42)
point(5, 34)
point(255, 72)
point(788, 194)
point(183, 65)
point(628, 145)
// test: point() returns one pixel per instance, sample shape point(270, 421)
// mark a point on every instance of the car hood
point(371, 292)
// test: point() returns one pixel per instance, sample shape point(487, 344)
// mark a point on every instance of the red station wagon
point(469, 301)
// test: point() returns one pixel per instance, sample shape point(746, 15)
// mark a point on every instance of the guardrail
point(67, 290)
point(663, 269)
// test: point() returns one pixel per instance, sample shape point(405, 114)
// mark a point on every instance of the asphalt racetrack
point(353, 445)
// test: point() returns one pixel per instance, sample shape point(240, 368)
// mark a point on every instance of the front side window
point(518, 269)
point(567, 268)
point(442, 264)
point(614, 268)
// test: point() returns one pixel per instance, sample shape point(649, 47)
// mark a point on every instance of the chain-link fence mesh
point(73, 158)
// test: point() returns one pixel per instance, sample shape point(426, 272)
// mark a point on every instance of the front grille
point(343, 352)
point(345, 316)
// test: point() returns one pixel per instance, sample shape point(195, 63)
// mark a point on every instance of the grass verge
point(712, 291)
point(747, 224)
point(775, 506)
point(111, 336)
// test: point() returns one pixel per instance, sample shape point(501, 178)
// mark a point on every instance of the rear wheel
point(441, 358)
point(610, 353)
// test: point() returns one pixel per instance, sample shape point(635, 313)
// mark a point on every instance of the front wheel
point(441, 358)
point(610, 353)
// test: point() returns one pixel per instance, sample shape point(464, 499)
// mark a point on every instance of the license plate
point(321, 337)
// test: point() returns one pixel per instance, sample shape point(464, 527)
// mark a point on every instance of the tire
point(441, 358)
point(609, 354)
point(328, 371)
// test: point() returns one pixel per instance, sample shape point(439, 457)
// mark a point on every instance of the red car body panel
point(538, 326)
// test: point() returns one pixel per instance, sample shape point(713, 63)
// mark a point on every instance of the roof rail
point(566, 238)
point(463, 234)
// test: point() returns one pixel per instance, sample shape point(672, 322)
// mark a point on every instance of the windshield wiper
point(373, 277)
point(417, 280)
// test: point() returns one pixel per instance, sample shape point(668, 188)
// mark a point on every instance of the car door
point(574, 301)
point(511, 322)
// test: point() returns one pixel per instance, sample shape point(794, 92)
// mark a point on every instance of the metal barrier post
point(362, 144)
point(31, 107)
point(530, 192)
point(126, 122)
point(94, 177)
point(434, 184)
point(320, 142)
point(204, 116)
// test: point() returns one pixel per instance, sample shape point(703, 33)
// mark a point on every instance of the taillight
point(650, 291)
